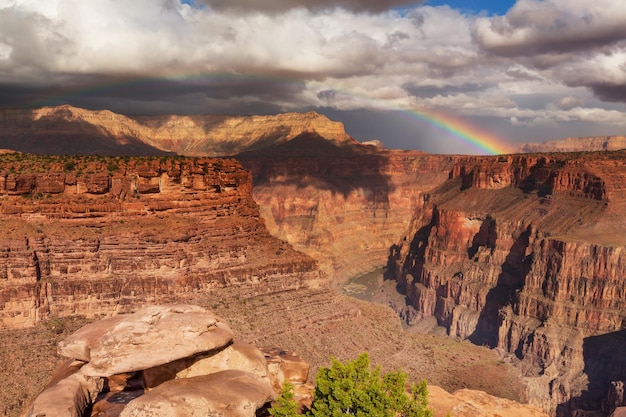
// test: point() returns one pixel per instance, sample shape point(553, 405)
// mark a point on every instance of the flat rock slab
point(229, 393)
point(150, 337)
point(472, 403)
point(240, 356)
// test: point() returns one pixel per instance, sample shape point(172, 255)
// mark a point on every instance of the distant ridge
point(580, 144)
point(75, 131)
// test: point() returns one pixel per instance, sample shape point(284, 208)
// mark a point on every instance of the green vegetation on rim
point(354, 388)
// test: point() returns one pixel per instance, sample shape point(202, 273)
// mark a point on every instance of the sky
point(441, 76)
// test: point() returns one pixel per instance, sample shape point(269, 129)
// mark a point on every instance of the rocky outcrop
point(472, 403)
point(238, 355)
point(152, 337)
point(342, 205)
point(68, 393)
point(67, 130)
point(226, 393)
point(580, 144)
point(526, 254)
point(94, 235)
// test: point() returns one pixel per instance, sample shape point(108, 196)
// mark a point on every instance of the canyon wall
point(527, 254)
point(579, 144)
point(67, 130)
point(94, 235)
point(342, 205)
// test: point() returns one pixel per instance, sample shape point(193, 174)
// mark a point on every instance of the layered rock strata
point(94, 235)
point(341, 202)
point(526, 254)
point(343, 205)
point(68, 130)
point(579, 144)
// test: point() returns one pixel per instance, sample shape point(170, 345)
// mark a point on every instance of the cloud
point(274, 6)
point(569, 102)
point(533, 27)
point(577, 43)
point(545, 64)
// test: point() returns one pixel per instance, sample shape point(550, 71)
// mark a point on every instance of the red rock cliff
point(95, 235)
point(527, 254)
point(342, 205)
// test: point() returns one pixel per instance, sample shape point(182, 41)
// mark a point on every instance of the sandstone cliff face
point(95, 235)
point(592, 143)
point(527, 254)
point(342, 205)
point(74, 131)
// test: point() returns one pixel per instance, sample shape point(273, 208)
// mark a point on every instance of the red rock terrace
point(93, 235)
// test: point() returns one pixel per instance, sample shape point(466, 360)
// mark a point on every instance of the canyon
point(89, 237)
point(522, 254)
point(342, 205)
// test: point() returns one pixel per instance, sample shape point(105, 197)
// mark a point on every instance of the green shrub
point(285, 405)
point(69, 166)
point(355, 389)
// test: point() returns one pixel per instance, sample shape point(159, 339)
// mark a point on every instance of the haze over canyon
point(264, 219)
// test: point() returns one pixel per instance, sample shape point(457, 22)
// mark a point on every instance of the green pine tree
point(285, 405)
point(354, 388)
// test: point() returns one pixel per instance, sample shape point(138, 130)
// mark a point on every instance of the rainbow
point(459, 129)
point(463, 131)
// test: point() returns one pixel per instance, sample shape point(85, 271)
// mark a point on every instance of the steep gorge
point(343, 205)
point(95, 236)
point(526, 254)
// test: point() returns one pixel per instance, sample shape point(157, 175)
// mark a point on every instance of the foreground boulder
point(166, 361)
point(68, 393)
point(472, 403)
point(229, 393)
point(150, 337)
point(241, 356)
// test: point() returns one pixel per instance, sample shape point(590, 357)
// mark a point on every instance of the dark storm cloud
point(273, 6)
point(155, 95)
point(610, 92)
